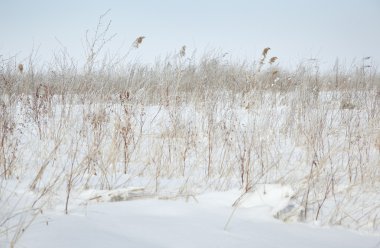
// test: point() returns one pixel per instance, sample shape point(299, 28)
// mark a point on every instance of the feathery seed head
point(21, 68)
point(265, 51)
point(138, 41)
point(182, 52)
point(272, 60)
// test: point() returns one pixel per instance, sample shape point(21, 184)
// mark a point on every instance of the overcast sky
point(294, 29)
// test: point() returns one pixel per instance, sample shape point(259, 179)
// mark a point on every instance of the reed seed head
point(21, 68)
point(272, 60)
point(265, 51)
point(182, 52)
point(138, 41)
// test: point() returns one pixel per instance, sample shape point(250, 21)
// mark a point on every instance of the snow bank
point(158, 223)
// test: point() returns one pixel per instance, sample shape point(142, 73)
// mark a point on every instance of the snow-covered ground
point(201, 221)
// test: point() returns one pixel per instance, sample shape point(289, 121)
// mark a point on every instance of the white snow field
point(237, 160)
point(198, 222)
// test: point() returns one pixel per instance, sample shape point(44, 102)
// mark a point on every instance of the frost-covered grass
point(184, 130)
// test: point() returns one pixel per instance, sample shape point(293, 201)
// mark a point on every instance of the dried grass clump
point(347, 105)
point(264, 56)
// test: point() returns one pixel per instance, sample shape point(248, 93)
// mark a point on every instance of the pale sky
point(294, 29)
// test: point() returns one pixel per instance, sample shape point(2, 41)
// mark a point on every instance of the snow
point(195, 222)
point(275, 196)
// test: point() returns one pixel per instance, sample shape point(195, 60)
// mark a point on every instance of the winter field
point(186, 153)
